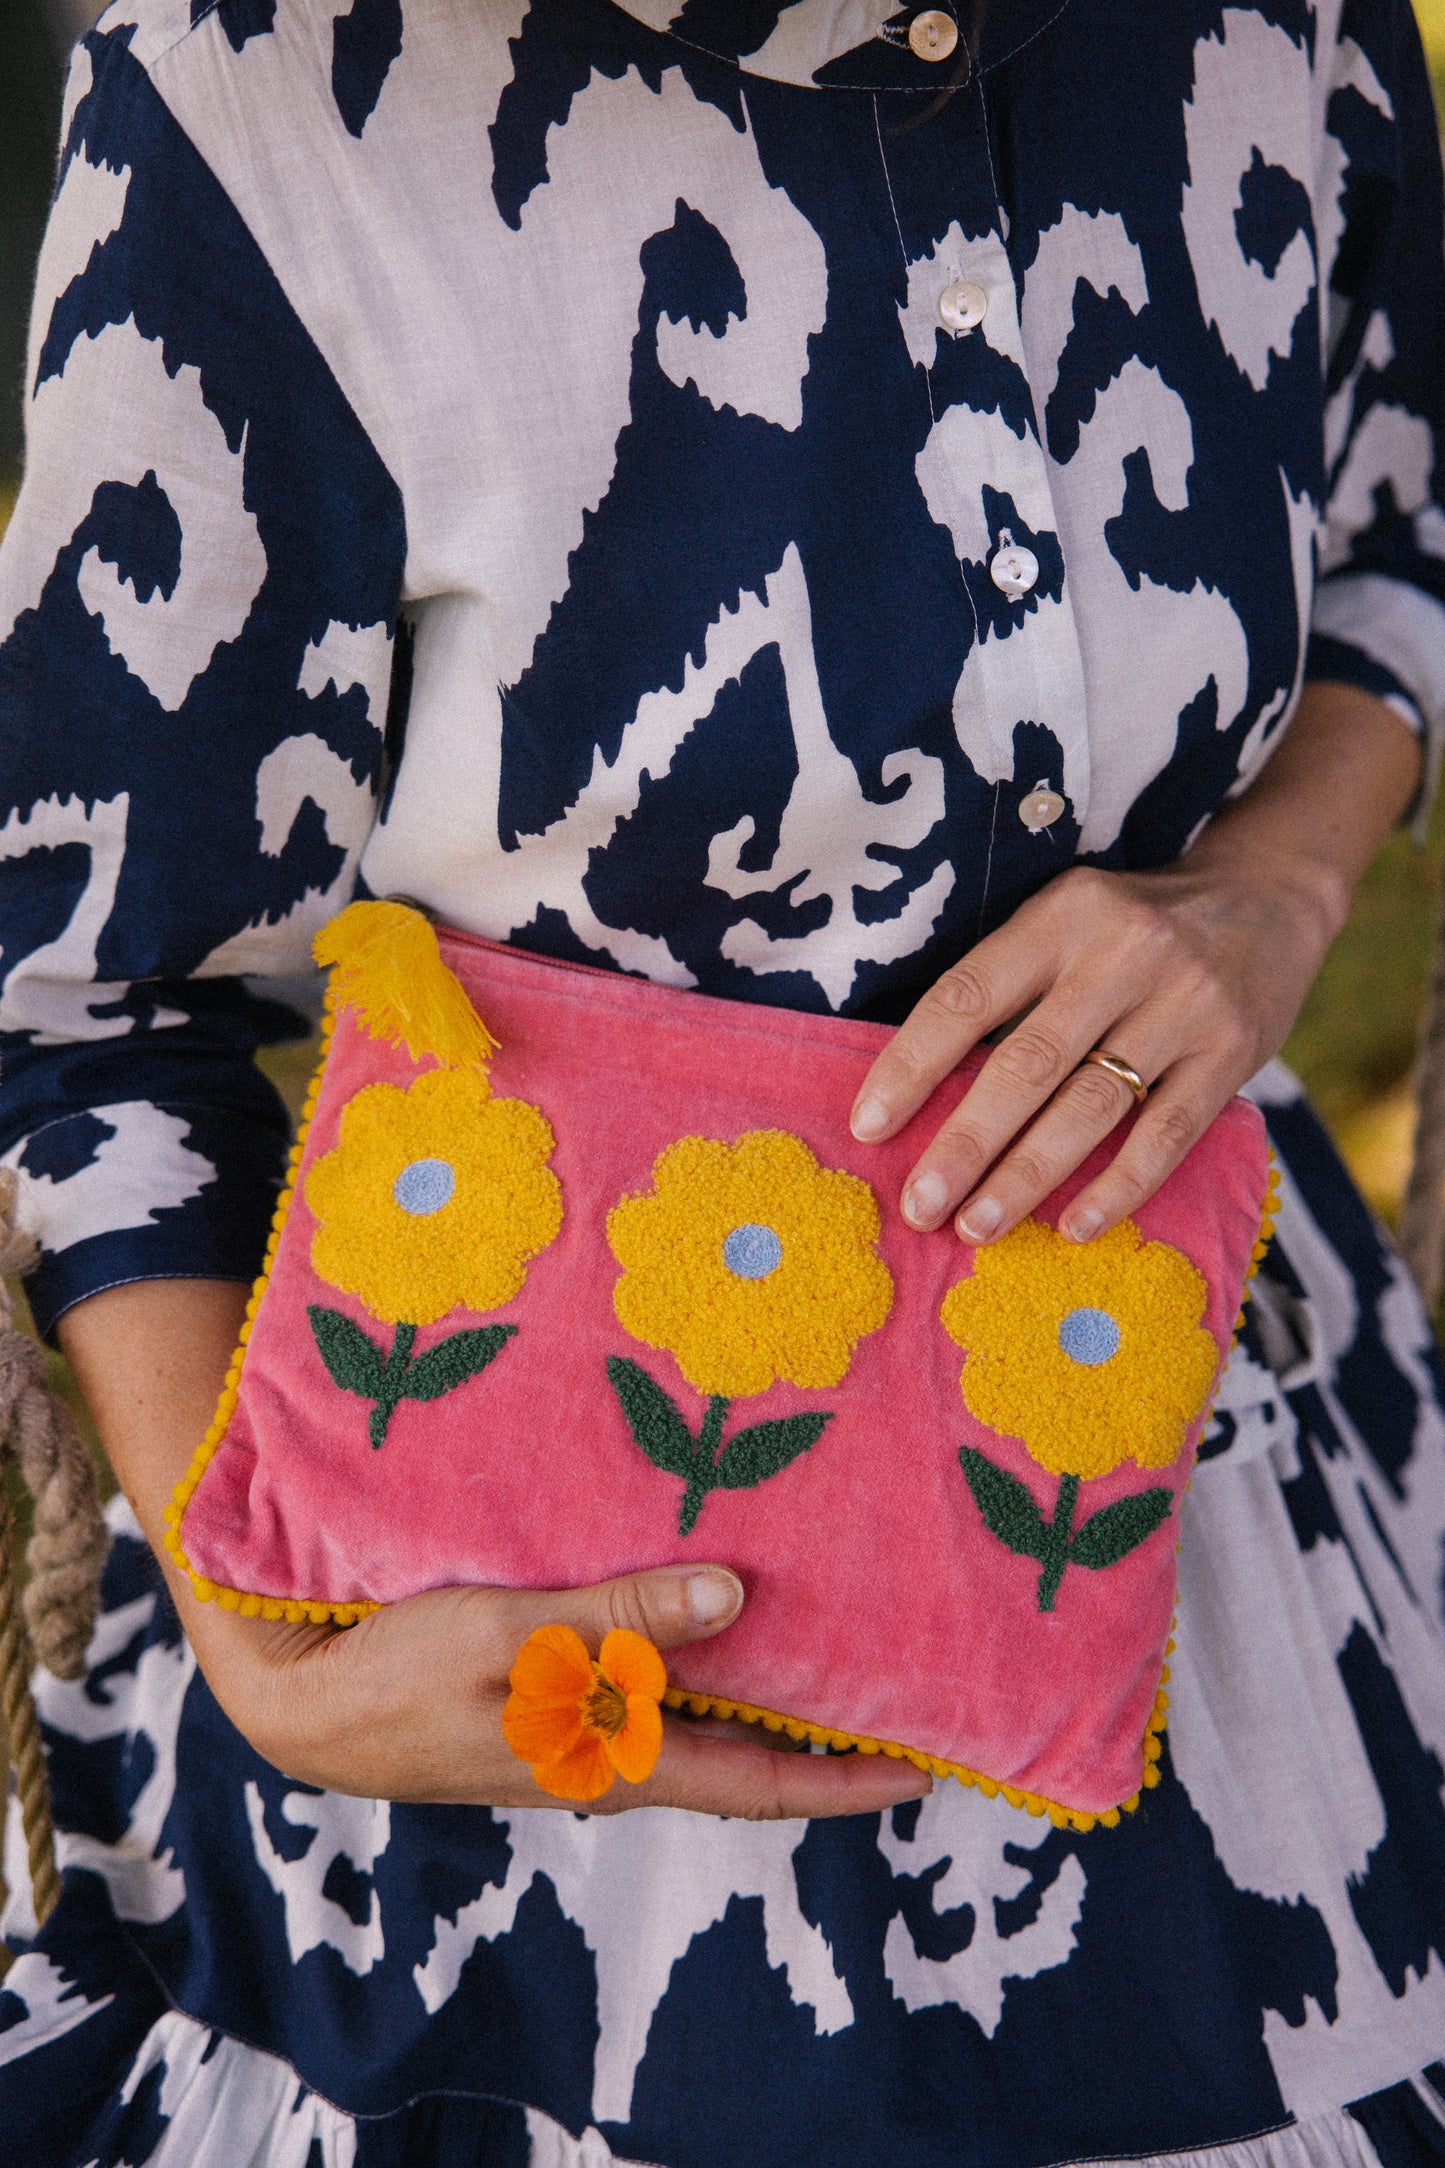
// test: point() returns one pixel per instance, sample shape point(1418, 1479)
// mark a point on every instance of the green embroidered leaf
point(1117, 1529)
point(752, 1455)
point(652, 1417)
point(453, 1360)
point(1005, 1503)
point(355, 1362)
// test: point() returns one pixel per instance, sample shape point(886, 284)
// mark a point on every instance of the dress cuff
point(1388, 637)
point(144, 1190)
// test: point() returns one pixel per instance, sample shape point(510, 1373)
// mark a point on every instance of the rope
point(23, 1728)
point(1422, 1221)
point(65, 1555)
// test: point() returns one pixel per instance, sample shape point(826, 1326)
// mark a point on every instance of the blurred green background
point(1354, 1044)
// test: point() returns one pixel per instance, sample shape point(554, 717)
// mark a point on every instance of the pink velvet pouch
point(621, 1290)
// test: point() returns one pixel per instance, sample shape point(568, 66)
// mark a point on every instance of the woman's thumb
point(669, 1604)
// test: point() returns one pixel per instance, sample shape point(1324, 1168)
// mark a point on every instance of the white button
point(932, 35)
point(962, 306)
point(1041, 808)
point(1014, 569)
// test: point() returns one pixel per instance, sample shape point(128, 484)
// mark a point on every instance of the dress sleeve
point(198, 591)
point(1379, 614)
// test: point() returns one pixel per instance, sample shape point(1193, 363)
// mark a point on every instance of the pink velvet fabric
point(878, 1603)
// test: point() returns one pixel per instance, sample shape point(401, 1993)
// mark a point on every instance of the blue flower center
point(1089, 1336)
point(424, 1186)
point(752, 1252)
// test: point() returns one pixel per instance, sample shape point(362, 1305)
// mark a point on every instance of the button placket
point(1032, 671)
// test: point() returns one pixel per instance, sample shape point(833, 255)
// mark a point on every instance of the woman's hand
point(1192, 980)
point(1192, 975)
point(407, 1703)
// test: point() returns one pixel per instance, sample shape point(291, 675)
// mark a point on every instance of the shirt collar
point(825, 43)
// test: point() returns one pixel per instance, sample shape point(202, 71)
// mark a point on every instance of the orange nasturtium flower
point(579, 1721)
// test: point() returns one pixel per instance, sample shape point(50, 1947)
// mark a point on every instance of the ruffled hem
point(195, 2098)
point(1411, 2130)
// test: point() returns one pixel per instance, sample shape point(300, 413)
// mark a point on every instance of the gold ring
point(1123, 1070)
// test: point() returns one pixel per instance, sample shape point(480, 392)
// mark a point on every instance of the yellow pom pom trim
point(250, 1605)
point(798, 1727)
point(387, 968)
point(1261, 1247)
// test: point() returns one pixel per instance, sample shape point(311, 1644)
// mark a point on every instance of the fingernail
point(870, 1119)
point(926, 1200)
point(1079, 1226)
point(982, 1217)
point(713, 1596)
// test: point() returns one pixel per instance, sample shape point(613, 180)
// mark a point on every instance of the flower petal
point(584, 1772)
point(633, 1665)
point(542, 1731)
point(636, 1747)
point(552, 1663)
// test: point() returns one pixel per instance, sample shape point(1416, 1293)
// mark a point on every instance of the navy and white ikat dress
point(665, 486)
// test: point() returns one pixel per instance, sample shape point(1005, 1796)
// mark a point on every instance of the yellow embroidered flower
point(435, 1196)
point(1091, 1353)
point(750, 1262)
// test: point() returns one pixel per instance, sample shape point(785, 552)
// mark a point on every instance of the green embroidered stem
point(701, 1474)
point(1056, 1541)
point(750, 1456)
point(358, 1366)
point(393, 1384)
point(1009, 1511)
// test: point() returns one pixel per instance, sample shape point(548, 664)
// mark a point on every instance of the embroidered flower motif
point(579, 1722)
point(435, 1197)
point(747, 1262)
point(1091, 1354)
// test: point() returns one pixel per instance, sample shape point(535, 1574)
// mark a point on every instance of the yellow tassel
point(387, 968)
